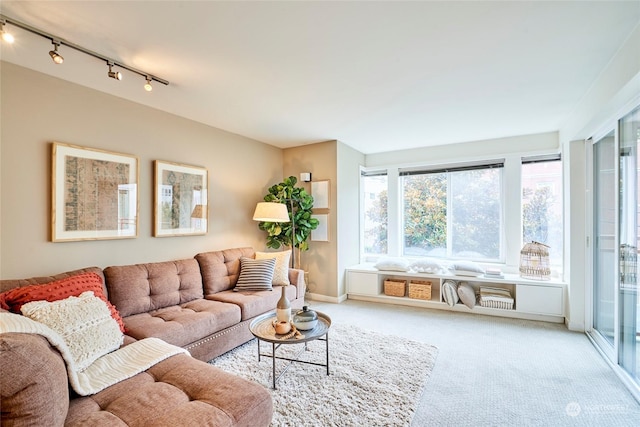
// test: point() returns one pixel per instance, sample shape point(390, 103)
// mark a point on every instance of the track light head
point(55, 56)
point(8, 37)
point(147, 85)
point(114, 74)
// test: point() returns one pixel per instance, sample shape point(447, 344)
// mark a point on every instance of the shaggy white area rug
point(375, 379)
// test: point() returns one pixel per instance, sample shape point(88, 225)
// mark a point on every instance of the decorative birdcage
point(534, 261)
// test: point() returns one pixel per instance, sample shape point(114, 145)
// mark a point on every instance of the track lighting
point(57, 58)
point(114, 74)
point(6, 36)
point(147, 85)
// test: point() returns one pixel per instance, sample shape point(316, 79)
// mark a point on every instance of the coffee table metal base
point(291, 361)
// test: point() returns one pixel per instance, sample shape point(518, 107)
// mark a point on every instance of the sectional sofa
point(189, 303)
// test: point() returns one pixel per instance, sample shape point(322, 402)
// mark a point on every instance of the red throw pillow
point(72, 286)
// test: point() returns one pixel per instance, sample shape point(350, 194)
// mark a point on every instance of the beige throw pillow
point(84, 323)
point(281, 271)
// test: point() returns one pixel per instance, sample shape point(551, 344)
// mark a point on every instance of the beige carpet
point(375, 379)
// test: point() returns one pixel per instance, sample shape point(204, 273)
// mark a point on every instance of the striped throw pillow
point(450, 292)
point(255, 274)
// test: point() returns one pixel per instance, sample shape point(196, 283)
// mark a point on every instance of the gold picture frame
point(180, 200)
point(94, 194)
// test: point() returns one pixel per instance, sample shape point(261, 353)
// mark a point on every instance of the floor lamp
point(277, 212)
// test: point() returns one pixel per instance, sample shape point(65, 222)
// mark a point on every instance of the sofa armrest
point(296, 277)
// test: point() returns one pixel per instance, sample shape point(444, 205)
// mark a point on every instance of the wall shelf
point(534, 300)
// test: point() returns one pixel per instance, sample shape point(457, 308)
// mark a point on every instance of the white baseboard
point(576, 326)
point(324, 298)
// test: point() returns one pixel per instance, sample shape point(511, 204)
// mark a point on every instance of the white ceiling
point(377, 76)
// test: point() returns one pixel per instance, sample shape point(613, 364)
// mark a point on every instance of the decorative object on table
point(283, 307)
point(180, 200)
point(534, 261)
point(394, 287)
point(295, 230)
point(281, 327)
point(94, 194)
point(305, 319)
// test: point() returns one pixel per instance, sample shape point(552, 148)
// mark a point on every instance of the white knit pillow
point(281, 271)
point(84, 323)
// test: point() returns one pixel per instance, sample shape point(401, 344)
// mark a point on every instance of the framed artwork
point(180, 200)
point(321, 233)
point(94, 194)
point(320, 193)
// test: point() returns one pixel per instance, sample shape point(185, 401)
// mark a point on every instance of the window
point(375, 201)
point(454, 212)
point(542, 204)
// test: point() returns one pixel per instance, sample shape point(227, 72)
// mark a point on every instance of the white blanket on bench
point(105, 371)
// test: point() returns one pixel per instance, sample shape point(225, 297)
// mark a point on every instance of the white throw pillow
point(466, 268)
point(84, 323)
point(426, 265)
point(281, 270)
point(392, 264)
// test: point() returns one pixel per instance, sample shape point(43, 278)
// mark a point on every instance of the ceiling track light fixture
point(6, 36)
point(147, 85)
point(58, 59)
point(113, 74)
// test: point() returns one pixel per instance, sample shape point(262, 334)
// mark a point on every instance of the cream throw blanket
point(105, 371)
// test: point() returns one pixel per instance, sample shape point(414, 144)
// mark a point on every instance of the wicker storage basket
point(420, 289)
point(394, 288)
point(534, 261)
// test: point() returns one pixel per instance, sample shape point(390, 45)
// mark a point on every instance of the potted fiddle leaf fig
point(299, 204)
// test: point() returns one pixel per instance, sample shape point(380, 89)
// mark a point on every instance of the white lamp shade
point(271, 212)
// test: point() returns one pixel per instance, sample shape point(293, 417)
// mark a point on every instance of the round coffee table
point(262, 328)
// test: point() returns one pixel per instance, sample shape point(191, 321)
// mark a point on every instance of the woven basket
point(420, 289)
point(534, 261)
point(394, 288)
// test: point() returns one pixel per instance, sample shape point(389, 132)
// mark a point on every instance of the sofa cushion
point(255, 274)
point(220, 269)
point(7, 284)
point(33, 385)
point(185, 323)
point(177, 389)
point(57, 290)
point(253, 303)
point(145, 287)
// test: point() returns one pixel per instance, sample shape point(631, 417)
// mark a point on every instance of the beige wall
point(37, 109)
point(349, 163)
point(320, 261)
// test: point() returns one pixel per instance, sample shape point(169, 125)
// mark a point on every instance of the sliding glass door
point(616, 222)
point(604, 220)
point(628, 231)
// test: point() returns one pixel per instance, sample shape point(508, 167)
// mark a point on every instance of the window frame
point(512, 222)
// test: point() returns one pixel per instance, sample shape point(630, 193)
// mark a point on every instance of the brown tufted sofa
point(189, 303)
